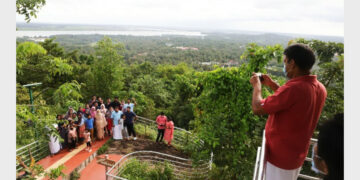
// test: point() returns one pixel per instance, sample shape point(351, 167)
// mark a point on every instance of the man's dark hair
point(162, 113)
point(116, 97)
point(302, 54)
point(128, 107)
point(331, 146)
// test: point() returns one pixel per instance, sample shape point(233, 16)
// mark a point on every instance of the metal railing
point(182, 168)
point(182, 137)
point(38, 150)
point(259, 173)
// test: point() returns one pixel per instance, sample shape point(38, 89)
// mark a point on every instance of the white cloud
point(302, 16)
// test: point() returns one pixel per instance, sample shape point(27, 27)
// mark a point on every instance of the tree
point(67, 95)
point(26, 51)
point(29, 8)
point(325, 51)
point(223, 114)
point(105, 77)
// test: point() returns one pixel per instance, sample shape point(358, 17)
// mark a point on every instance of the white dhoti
point(117, 132)
point(54, 145)
point(275, 173)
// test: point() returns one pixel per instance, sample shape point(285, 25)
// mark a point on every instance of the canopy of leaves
point(29, 8)
point(223, 116)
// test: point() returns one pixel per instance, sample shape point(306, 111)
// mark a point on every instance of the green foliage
point(29, 8)
point(56, 172)
point(26, 51)
point(104, 147)
point(67, 95)
point(53, 48)
point(31, 127)
point(140, 170)
point(224, 118)
point(145, 105)
point(332, 75)
point(105, 76)
point(75, 175)
point(325, 51)
point(32, 170)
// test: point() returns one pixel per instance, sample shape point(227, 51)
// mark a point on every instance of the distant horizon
point(320, 17)
point(182, 28)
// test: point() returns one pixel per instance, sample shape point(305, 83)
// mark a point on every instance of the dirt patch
point(140, 144)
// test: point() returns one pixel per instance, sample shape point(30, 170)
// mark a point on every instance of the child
point(89, 124)
point(109, 121)
point(88, 140)
point(72, 138)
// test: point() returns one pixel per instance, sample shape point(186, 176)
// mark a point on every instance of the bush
point(136, 169)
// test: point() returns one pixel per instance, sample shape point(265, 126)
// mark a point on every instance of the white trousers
point(274, 173)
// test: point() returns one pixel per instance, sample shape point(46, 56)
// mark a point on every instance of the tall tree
point(105, 77)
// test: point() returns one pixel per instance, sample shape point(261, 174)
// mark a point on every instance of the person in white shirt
point(129, 104)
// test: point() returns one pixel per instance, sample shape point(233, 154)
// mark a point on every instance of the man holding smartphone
point(294, 110)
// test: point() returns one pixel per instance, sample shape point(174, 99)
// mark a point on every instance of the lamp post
point(29, 86)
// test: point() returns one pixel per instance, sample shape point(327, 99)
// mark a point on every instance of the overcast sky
point(318, 17)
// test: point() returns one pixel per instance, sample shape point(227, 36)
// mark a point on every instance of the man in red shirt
point(294, 110)
point(161, 121)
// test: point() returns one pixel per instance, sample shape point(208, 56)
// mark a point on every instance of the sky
point(316, 17)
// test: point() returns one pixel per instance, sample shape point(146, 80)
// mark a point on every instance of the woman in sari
point(100, 124)
point(169, 130)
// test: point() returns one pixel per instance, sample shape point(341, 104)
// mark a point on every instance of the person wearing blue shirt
point(89, 124)
point(115, 116)
point(129, 118)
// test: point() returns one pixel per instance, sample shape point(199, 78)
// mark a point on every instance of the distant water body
point(126, 33)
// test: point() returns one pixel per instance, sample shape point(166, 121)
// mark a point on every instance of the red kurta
point(161, 121)
point(294, 110)
point(169, 131)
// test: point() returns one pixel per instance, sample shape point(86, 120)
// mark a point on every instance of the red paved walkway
point(75, 160)
point(97, 171)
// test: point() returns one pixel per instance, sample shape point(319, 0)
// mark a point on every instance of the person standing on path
point(294, 110)
point(100, 124)
point(89, 124)
point(161, 121)
point(115, 116)
point(169, 131)
point(130, 117)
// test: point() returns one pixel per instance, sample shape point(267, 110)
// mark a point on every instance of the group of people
point(294, 110)
point(94, 122)
point(99, 119)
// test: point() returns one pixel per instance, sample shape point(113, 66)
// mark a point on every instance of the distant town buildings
point(187, 48)
point(37, 39)
point(230, 63)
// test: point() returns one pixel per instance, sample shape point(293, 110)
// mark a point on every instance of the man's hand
point(255, 80)
point(269, 82)
point(256, 96)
